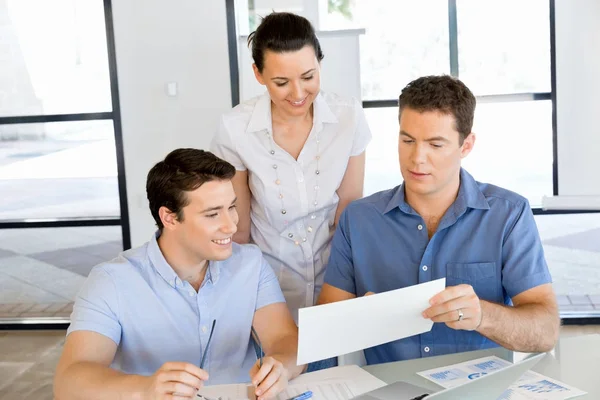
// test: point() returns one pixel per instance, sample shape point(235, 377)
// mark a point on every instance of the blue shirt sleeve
point(340, 269)
point(523, 264)
point(96, 306)
point(269, 291)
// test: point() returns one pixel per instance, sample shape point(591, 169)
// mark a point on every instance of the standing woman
point(299, 155)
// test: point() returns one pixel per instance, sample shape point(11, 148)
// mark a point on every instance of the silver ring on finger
point(460, 315)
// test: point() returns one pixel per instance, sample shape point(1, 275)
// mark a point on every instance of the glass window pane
point(382, 170)
point(53, 57)
point(514, 147)
point(504, 47)
point(42, 269)
point(58, 170)
point(403, 40)
point(572, 249)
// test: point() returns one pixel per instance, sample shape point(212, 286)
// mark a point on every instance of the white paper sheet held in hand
point(339, 328)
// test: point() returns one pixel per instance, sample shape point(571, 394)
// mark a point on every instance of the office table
point(573, 361)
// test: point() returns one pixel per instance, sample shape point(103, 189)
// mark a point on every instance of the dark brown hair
point(282, 32)
point(441, 93)
point(183, 170)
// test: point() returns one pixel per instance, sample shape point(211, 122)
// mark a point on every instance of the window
point(502, 54)
point(502, 51)
point(58, 170)
point(60, 212)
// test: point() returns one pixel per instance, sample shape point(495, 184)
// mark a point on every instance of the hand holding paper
point(334, 329)
point(457, 306)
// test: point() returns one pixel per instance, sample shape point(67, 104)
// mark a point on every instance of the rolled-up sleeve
point(523, 263)
point(96, 306)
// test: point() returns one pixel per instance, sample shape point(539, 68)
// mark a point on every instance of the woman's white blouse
point(294, 201)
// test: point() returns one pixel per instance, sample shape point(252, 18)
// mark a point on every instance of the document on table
point(341, 383)
point(531, 386)
point(334, 329)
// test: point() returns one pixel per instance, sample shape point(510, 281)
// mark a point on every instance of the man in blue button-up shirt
point(164, 319)
point(442, 223)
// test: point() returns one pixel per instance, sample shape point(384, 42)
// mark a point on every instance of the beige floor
point(28, 360)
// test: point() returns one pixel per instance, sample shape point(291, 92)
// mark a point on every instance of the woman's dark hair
point(442, 93)
point(281, 32)
point(183, 170)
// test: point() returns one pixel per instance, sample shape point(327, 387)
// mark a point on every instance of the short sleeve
point(362, 135)
point(223, 146)
point(269, 291)
point(340, 268)
point(523, 263)
point(96, 306)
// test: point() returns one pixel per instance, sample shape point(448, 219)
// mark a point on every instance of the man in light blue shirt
point(177, 313)
point(441, 223)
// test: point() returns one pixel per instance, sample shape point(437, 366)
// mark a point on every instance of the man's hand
point(270, 379)
point(175, 380)
point(457, 306)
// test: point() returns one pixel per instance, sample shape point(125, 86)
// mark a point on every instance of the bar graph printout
point(531, 386)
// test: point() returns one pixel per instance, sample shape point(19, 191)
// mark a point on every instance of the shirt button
point(426, 349)
point(192, 293)
point(420, 227)
point(204, 329)
point(309, 285)
point(424, 267)
point(301, 179)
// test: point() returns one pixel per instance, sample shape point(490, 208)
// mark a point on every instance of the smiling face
point(208, 222)
point(430, 153)
point(292, 80)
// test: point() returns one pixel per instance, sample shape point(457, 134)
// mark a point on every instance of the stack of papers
point(341, 383)
point(530, 386)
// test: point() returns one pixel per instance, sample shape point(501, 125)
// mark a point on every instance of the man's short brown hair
point(183, 170)
point(442, 93)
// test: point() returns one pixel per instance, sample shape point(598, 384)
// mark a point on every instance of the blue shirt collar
point(160, 264)
point(469, 196)
point(261, 120)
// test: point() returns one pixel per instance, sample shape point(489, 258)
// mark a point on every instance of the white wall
point(157, 42)
point(578, 96)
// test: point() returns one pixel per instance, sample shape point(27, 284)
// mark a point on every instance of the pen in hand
point(257, 341)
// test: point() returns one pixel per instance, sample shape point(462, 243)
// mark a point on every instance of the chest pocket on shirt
point(482, 276)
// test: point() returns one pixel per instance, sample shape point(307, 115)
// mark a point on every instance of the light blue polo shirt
point(487, 238)
point(138, 301)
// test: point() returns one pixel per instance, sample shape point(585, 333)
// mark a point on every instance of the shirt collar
point(261, 119)
point(469, 196)
point(157, 259)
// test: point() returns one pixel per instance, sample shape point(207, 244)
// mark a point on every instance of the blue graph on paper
point(447, 375)
point(543, 386)
point(490, 365)
point(537, 387)
point(508, 394)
